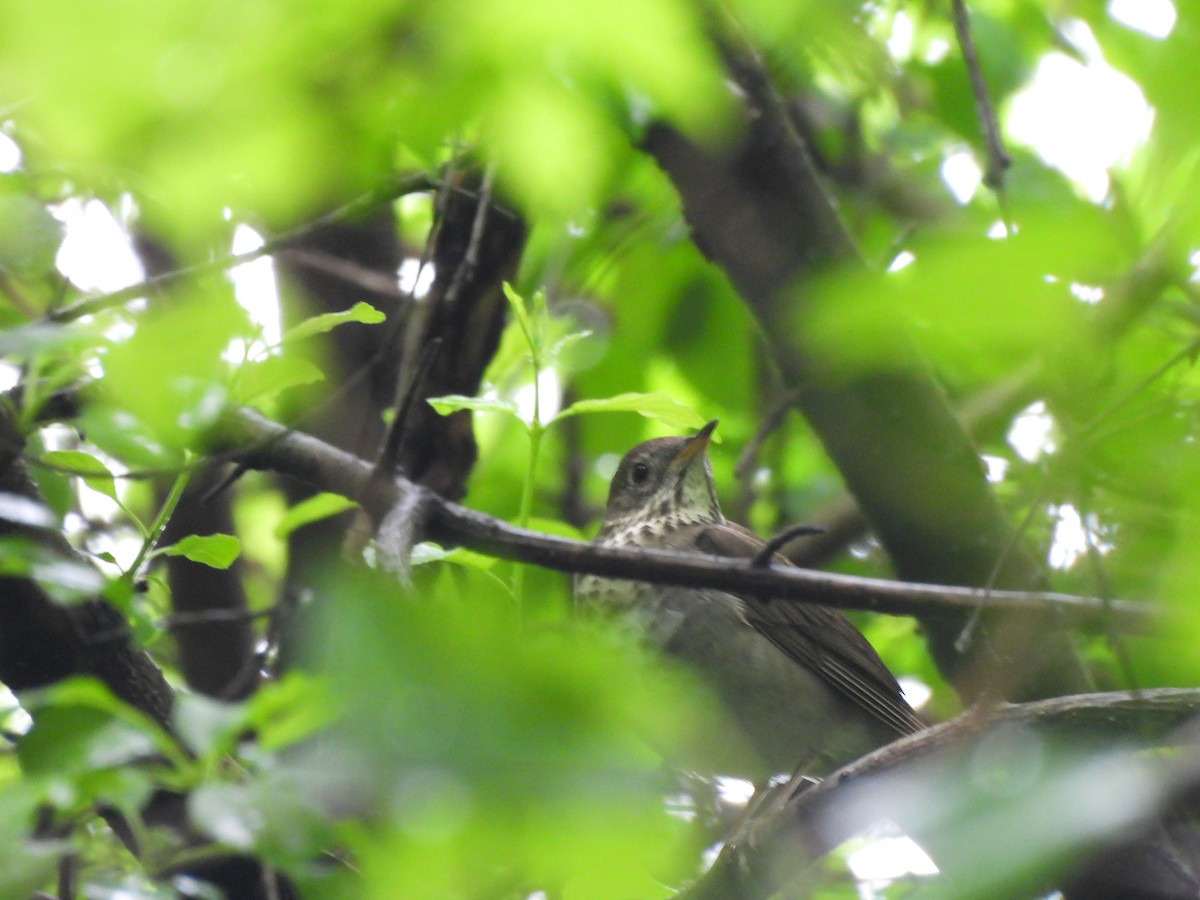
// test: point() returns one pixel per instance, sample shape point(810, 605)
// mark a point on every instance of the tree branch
point(263, 444)
point(799, 822)
point(760, 212)
point(997, 157)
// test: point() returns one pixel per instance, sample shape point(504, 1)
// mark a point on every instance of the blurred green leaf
point(124, 436)
point(215, 550)
point(94, 473)
point(312, 509)
point(29, 235)
point(170, 374)
point(454, 402)
point(652, 406)
point(290, 709)
point(479, 729)
point(26, 864)
point(279, 715)
point(972, 306)
point(564, 345)
point(267, 378)
point(517, 306)
point(426, 552)
point(79, 727)
point(362, 313)
point(208, 726)
point(269, 815)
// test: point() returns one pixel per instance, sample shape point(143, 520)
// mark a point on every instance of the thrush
point(799, 684)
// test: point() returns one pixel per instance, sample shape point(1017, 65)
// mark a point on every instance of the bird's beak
point(696, 445)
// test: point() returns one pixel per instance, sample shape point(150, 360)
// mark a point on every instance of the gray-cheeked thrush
point(798, 682)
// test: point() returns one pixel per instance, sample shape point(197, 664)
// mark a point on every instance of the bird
point(798, 686)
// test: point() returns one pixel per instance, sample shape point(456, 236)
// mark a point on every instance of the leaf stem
point(154, 532)
point(536, 430)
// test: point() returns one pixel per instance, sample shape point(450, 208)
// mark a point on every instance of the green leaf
point(517, 304)
point(29, 235)
point(289, 710)
point(267, 378)
point(215, 550)
point(653, 406)
point(80, 726)
point(363, 313)
point(562, 345)
point(94, 473)
point(209, 727)
point(26, 864)
point(454, 402)
point(428, 552)
point(276, 814)
point(315, 508)
point(170, 375)
point(68, 739)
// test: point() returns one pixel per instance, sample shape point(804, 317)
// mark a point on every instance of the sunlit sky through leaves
point(1081, 118)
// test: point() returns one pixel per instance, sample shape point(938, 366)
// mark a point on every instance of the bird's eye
point(639, 473)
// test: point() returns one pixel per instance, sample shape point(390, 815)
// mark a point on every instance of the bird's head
point(664, 479)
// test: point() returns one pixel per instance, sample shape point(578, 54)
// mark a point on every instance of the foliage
point(444, 744)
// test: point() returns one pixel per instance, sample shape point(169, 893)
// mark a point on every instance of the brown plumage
point(799, 681)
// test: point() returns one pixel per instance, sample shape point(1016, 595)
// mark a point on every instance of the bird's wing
point(819, 638)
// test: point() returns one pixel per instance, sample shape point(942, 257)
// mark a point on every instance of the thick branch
point(43, 641)
point(762, 215)
point(797, 824)
point(267, 445)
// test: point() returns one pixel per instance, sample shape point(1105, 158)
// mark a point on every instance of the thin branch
point(744, 467)
point(830, 236)
point(203, 617)
point(998, 159)
point(386, 285)
point(389, 453)
point(393, 188)
point(264, 444)
point(775, 544)
point(470, 260)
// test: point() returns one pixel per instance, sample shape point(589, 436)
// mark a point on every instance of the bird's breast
point(621, 595)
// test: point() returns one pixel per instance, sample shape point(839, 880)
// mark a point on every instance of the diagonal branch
point(263, 444)
point(997, 157)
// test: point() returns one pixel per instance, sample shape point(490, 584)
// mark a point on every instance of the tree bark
point(762, 213)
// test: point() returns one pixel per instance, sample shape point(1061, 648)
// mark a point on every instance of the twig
point(998, 159)
point(211, 616)
point(398, 529)
point(349, 271)
point(784, 537)
point(470, 259)
point(766, 428)
point(389, 453)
